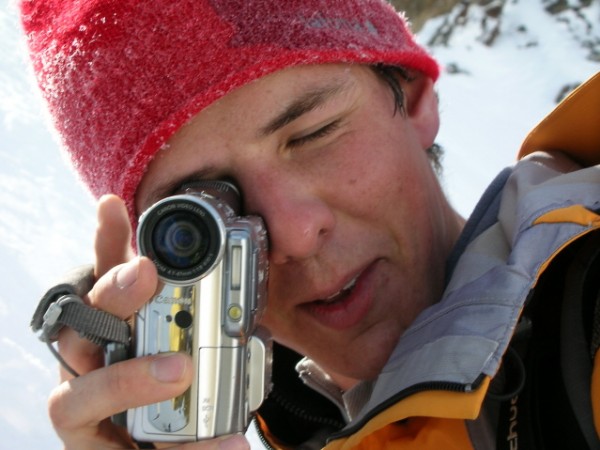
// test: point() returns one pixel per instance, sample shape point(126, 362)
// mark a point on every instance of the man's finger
point(83, 402)
point(113, 235)
point(125, 288)
point(121, 292)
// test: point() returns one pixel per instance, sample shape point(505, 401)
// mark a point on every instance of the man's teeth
point(344, 290)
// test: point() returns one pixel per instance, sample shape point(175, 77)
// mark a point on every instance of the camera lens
point(184, 236)
point(180, 240)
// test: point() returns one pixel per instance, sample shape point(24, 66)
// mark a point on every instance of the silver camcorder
point(213, 268)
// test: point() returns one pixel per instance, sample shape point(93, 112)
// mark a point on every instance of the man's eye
point(318, 134)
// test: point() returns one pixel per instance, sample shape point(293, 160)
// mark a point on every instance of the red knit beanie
point(121, 76)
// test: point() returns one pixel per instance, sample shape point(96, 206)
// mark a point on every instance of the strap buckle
point(51, 325)
point(62, 305)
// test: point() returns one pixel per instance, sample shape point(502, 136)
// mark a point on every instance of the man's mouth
point(341, 294)
point(348, 306)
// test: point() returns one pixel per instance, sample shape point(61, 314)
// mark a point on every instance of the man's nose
point(299, 220)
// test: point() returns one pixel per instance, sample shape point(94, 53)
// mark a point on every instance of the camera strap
point(62, 305)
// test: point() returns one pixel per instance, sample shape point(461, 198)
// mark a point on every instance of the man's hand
point(80, 408)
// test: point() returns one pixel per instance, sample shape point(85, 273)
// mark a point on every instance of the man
point(322, 113)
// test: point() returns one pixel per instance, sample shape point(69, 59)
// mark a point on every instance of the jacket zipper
point(427, 386)
point(262, 437)
point(295, 412)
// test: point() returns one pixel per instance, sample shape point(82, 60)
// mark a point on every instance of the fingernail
point(168, 367)
point(235, 442)
point(127, 274)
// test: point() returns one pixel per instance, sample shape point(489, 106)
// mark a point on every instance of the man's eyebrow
point(304, 103)
point(308, 101)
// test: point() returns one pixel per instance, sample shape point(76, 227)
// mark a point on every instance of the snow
point(47, 218)
point(504, 91)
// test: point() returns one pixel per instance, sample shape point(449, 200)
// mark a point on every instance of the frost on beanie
point(121, 76)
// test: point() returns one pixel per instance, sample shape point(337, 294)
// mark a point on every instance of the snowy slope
point(47, 219)
point(502, 92)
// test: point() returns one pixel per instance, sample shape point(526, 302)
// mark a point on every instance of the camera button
point(235, 313)
point(183, 319)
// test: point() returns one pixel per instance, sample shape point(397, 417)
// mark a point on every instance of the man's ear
point(422, 109)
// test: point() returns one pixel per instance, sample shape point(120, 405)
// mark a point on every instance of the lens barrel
point(184, 235)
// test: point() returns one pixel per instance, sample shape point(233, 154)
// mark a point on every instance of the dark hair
point(392, 75)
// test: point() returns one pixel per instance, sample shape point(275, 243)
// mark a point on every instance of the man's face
point(359, 229)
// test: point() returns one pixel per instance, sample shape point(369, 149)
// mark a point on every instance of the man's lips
point(345, 290)
point(347, 306)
